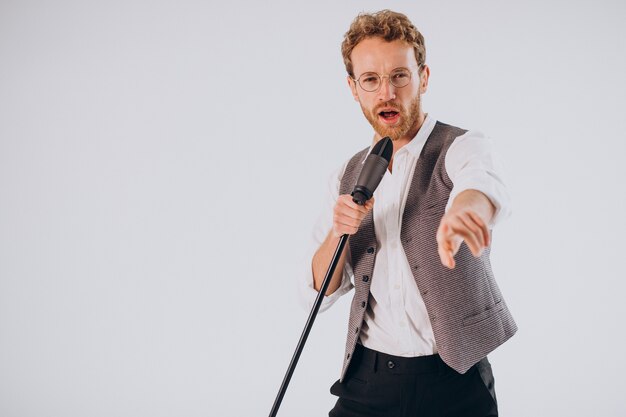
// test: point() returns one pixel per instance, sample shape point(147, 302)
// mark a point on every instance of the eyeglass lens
point(370, 81)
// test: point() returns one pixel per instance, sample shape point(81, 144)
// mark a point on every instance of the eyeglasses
point(371, 81)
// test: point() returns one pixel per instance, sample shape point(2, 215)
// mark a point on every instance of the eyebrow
point(374, 72)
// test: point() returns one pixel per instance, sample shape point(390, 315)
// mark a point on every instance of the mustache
point(390, 103)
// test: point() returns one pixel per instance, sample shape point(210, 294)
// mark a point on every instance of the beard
point(408, 118)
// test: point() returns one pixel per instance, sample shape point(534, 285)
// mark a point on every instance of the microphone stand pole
point(309, 324)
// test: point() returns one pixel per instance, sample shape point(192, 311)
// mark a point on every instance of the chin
point(393, 133)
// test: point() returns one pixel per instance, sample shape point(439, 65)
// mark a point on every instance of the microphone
point(374, 168)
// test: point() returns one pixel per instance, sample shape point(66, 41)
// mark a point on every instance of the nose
point(387, 91)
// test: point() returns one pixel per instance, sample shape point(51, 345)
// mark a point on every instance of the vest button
point(356, 330)
point(348, 356)
point(391, 365)
point(366, 278)
point(424, 292)
point(363, 304)
point(370, 250)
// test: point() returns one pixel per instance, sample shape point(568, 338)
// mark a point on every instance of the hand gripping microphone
point(374, 168)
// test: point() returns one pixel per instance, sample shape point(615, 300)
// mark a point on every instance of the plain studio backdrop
point(162, 165)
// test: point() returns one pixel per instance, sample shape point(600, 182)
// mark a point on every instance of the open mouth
point(390, 116)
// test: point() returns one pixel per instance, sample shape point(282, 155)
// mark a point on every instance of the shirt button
point(397, 286)
point(394, 245)
point(391, 365)
point(402, 324)
point(370, 250)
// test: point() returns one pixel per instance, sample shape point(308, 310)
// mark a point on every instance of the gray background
point(161, 167)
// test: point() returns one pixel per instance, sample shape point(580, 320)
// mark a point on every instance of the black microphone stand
point(309, 324)
point(372, 172)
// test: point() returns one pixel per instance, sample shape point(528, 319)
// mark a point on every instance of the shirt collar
point(414, 147)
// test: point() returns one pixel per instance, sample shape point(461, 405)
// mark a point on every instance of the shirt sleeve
point(307, 292)
point(472, 164)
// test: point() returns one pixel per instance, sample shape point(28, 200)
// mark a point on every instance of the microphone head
point(374, 168)
point(383, 148)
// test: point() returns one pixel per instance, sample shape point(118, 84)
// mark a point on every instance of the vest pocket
point(483, 315)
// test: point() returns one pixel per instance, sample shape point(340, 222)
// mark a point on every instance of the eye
point(369, 78)
point(400, 75)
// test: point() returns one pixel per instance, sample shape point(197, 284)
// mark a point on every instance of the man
point(426, 309)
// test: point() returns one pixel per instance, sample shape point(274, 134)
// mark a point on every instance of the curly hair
point(385, 24)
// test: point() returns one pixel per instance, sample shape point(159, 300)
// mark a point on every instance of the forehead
point(378, 55)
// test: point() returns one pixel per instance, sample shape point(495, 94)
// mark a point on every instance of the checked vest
point(466, 309)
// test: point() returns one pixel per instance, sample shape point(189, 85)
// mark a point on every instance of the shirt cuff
point(489, 185)
point(308, 293)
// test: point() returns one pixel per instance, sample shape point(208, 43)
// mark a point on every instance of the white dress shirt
point(396, 321)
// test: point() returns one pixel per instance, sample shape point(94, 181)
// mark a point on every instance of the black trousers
point(381, 385)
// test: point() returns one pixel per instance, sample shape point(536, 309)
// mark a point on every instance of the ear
point(424, 75)
point(352, 85)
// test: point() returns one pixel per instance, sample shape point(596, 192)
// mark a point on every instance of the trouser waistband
point(383, 362)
